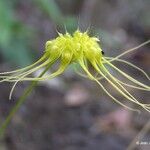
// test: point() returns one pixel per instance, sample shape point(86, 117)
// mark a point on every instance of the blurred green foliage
point(51, 8)
point(13, 36)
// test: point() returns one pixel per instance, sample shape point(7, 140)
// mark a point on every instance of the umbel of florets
point(74, 47)
point(84, 50)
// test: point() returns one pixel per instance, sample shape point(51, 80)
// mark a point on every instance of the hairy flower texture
point(84, 50)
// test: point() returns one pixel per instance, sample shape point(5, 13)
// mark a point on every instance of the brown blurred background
point(70, 112)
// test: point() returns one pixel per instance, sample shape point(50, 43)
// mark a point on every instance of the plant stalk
point(20, 101)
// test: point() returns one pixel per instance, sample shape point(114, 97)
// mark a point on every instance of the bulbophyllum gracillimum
point(84, 50)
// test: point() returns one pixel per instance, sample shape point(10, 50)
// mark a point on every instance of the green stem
point(20, 101)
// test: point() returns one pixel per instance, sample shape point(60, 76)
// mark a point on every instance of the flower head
point(74, 47)
point(82, 49)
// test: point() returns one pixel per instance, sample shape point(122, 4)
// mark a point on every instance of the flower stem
point(20, 101)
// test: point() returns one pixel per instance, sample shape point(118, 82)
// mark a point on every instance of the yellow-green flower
point(84, 50)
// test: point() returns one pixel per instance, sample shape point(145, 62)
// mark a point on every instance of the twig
point(140, 135)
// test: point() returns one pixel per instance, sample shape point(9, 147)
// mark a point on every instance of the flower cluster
point(84, 50)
